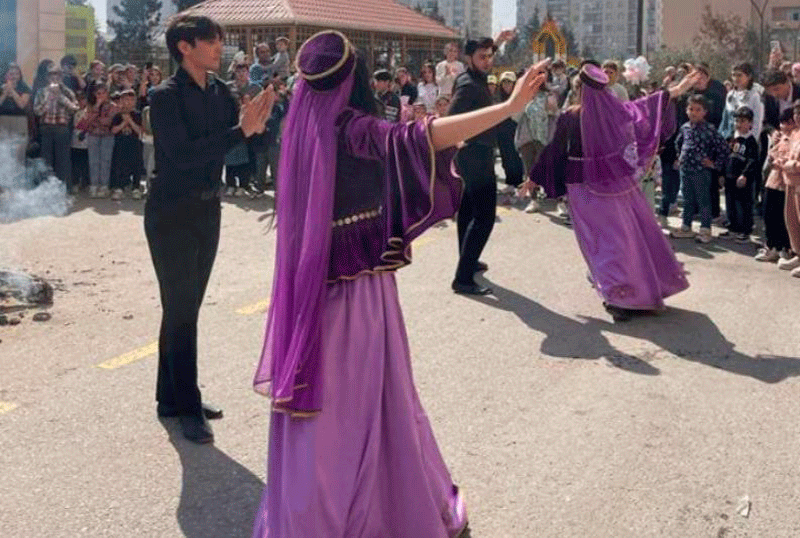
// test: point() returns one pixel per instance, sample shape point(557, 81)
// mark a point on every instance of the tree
point(760, 7)
point(570, 41)
point(185, 4)
point(134, 29)
point(725, 35)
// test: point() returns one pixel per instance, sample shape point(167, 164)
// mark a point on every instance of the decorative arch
point(549, 32)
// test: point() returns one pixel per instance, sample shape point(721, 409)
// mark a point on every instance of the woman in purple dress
point(351, 451)
point(600, 149)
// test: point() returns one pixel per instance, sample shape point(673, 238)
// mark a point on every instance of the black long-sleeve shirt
point(193, 129)
point(743, 159)
point(471, 92)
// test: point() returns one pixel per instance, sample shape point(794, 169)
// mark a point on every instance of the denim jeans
point(696, 188)
point(101, 150)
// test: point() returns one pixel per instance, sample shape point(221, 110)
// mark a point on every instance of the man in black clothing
point(388, 100)
point(195, 121)
point(779, 94)
point(475, 162)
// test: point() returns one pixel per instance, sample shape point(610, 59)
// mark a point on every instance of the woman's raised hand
point(528, 85)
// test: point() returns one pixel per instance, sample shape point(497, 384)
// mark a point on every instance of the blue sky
point(505, 13)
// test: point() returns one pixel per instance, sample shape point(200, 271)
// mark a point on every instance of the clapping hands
point(254, 115)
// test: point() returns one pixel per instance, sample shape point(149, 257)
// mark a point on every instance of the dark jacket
point(772, 110)
point(471, 92)
point(743, 159)
point(716, 95)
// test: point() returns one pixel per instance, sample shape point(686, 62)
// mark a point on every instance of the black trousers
point(478, 207)
point(512, 163)
point(739, 202)
point(715, 195)
point(670, 185)
point(774, 221)
point(183, 242)
point(80, 167)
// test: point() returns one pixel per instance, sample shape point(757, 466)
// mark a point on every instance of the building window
point(76, 42)
point(76, 24)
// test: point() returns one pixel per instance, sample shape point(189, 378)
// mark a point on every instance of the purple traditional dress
point(599, 152)
point(351, 451)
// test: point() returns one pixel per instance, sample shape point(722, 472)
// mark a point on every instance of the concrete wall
point(40, 33)
point(681, 18)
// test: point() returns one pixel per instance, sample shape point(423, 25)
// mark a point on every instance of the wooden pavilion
point(390, 33)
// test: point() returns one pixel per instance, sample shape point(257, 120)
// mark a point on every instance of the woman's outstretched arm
point(451, 130)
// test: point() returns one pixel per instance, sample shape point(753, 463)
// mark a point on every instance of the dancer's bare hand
point(688, 82)
point(254, 115)
point(528, 85)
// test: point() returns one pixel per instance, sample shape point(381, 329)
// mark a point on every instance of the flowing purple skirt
point(368, 465)
point(632, 264)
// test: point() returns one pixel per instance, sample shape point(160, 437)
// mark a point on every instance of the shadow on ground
point(692, 336)
point(219, 497)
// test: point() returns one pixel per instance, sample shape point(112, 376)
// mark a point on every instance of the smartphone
point(148, 65)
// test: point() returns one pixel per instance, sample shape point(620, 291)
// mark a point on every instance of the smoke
point(28, 191)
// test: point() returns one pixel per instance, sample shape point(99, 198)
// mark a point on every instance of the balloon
point(636, 70)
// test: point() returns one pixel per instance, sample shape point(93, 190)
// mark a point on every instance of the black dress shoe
point(209, 411)
point(196, 429)
point(481, 267)
point(618, 314)
point(471, 288)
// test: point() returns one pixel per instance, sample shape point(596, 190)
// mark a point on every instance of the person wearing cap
point(512, 163)
point(742, 171)
point(195, 122)
point(54, 105)
point(388, 100)
point(118, 79)
point(491, 82)
point(351, 451)
point(597, 154)
point(475, 162)
point(448, 69)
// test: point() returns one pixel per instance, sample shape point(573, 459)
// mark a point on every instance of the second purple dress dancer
point(598, 153)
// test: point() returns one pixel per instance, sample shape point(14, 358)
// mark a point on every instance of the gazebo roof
point(375, 15)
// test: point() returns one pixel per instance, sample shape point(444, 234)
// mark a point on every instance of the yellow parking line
point(130, 357)
point(5, 407)
point(255, 308)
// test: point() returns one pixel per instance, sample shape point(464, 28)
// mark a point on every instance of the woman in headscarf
point(600, 149)
point(351, 451)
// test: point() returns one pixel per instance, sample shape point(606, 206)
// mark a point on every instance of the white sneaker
point(796, 272)
point(117, 194)
point(93, 191)
point(684, 232)
point(563, 210)
point(663, 221)
point(230, 191)
point(532, 207)
point(102, 192)
point(790, 264)
point(784, 254)
point(241, 192)
point(768, 255)
point(704, 236)
point(506, 189)
point(136, 194)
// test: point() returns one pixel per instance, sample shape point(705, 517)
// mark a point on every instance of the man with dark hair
point(475, 163)
point(779, 94)
point(388, 100)
point(195, 121)
point(70, 79)
point(611, 69)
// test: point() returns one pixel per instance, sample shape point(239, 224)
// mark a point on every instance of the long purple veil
point(304, 214)
point(618, 139)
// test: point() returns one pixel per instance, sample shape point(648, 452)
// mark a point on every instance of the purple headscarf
point(325, 64)
point(618, 139)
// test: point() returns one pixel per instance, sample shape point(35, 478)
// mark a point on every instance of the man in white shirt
point(447, 70)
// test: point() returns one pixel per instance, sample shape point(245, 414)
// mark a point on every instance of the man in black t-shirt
point(388, 100)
